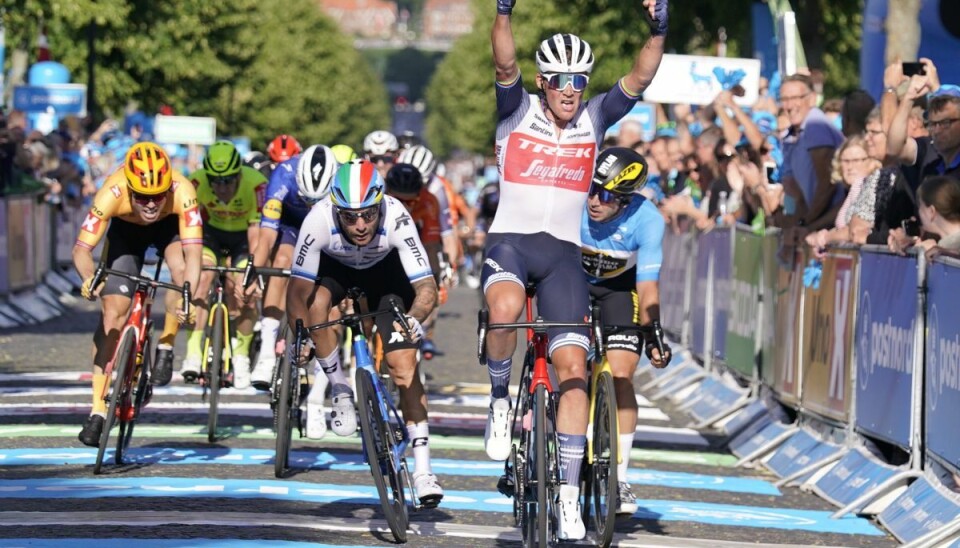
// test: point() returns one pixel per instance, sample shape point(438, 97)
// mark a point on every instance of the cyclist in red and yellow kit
point(144, 203)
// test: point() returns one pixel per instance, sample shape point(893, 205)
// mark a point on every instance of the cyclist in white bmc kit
point(358, 237)
point(546, 144)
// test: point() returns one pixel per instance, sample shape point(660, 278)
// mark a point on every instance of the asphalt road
point(180, 490)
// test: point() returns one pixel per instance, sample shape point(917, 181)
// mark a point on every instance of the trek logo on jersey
point(530, 161)
point(193, 217)
point(91, 224)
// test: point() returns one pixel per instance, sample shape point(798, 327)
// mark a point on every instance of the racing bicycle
point(382, 430)
point(532, 472)
point(130, 368)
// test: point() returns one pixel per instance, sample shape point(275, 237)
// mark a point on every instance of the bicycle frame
point(139, 321)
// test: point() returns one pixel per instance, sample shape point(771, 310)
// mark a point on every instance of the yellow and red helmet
point(147, 169)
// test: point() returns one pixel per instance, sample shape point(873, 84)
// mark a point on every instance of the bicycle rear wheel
point(603, 472)
point(379, 442)
point(287, 406)
point(122, 361)
point(214, 372)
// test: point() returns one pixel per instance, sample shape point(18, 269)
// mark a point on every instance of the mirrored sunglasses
point(146, 199)
point(562, 80)
point(603, 194)
point(384, 158)
point(352, 216)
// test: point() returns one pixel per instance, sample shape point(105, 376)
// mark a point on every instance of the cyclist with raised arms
point(144, 203)
point(296, 185)
point(231, 197)
point(622, 235)
point(380, 149)
point(359, 238)
point(545, 146)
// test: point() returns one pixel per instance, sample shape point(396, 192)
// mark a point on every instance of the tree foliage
point(460, 96)
point(259, 67)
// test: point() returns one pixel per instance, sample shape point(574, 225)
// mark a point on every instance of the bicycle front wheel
point(139, 397)
point(214, 372)
point(122, 362)
point(603, 472)
point(287, 402)
point(379, 442)
point(538, 515)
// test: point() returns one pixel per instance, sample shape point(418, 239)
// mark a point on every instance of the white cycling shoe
point(428, 489)
point(343, 415)
point(496, 440)
point(569, 522)
point(241, 372)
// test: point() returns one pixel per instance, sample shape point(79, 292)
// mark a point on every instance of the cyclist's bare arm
point(299, 291)
point(193, 256)
point(253, 239)
point(504, 50)
point(267, 239)
point(83, 262)
point(645, 65)
point(648, 298)
point(425, 300)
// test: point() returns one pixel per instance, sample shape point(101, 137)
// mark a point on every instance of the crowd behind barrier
point(845, 381)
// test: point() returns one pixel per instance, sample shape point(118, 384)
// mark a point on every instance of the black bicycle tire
point(143, 382)
point(116, 392)
point(214, 372)
point(539, 427)
point(378, 451)
point(282, 361)
point(281, 459)
point(604, 469)
point(522, 459)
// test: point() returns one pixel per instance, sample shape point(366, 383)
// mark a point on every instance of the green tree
point(306, 79)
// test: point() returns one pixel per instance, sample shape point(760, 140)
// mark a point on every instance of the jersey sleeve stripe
point(303, 275)
point(420, 275)
point(626, 91)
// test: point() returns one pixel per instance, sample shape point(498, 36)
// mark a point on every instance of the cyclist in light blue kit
point(621, 250)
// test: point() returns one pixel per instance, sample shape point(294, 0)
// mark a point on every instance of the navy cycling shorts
point(554, 266)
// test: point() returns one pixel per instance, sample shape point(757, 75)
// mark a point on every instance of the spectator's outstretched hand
point(933, 77)
point(898, 241)
point(919, 86)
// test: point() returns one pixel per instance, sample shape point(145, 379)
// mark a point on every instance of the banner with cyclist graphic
point(744, 302)
point(942, 401)
point(828, 335)
point(886, 317)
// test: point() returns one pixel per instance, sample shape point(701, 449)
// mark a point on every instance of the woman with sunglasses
point(622, 235)
point(359, 238)
point(545, 147)
point(231, 197)
point(144, 203)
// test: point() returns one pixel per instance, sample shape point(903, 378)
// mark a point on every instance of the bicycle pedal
point(505, 486)
point(430, 501)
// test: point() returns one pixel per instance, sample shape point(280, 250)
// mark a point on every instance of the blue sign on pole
point(64, 99)
point(643, 113)
point(942, 382)
point(884, 340)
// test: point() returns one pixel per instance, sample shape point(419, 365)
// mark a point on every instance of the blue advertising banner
point(884, 341)
point(62, 98)
point(722, 272)
point(942, 401)
point(673, 280)
point(921, 509)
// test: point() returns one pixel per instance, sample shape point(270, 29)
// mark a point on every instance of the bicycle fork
point(594, 383)
point(227, 356)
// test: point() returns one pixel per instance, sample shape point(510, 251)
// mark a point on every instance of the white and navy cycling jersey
point(321, 237)
point(633, 240)
point(545, 173)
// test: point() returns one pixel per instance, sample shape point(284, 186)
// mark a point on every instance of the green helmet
point(222, 159)
point(343, 153)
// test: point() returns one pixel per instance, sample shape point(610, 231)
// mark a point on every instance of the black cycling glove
point(658, 25)
point(505, 7)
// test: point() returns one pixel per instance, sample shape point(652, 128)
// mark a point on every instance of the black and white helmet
point(315, 171)
point(380, 143)
point(421, 157)
point(564, 53)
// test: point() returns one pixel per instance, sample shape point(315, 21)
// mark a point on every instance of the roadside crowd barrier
point(841, 377)
point(36, 242)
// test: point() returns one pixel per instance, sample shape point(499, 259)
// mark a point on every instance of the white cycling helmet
point(315, 171)
point(378, 143)
point(564, 53)
point(421, 158)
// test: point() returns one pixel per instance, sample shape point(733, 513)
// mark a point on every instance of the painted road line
point(438, 419)
point(816, 521)
point(353, 462)
point(163, 543)
point(431, 530)
point(483, 389)
point(437, 441)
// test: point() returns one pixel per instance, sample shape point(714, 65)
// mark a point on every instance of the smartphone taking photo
point(909, 69)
